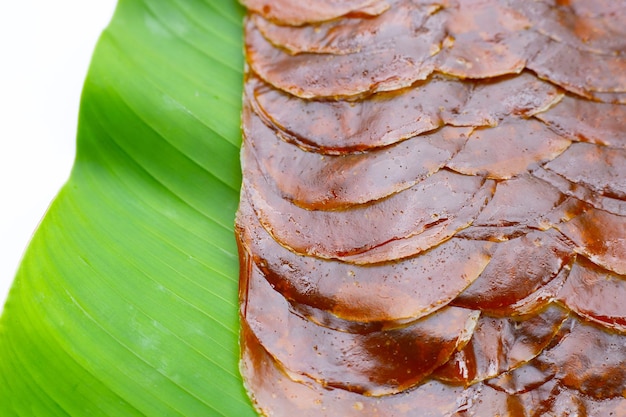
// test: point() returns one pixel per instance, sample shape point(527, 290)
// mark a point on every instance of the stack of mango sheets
point(433, 212)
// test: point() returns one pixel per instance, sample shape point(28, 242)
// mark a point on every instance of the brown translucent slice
point(301, 12)
point(573, 369)
point(538, 372)
point(585, 196)
point(587, 121)
point(600, 168)
point(274, 394)
point(374, 363)
point(484, 39)
point(538, 402)
point(595, 26)
point(315, 181)
point(518, 268)
point(580, 72)
point(525, 378)
point(342, 126)
point(386, 65)
point(493, 99)
point(600, 236)
point(508, 149)
point(539, 299)
point(428, 238)
point(385, 294)
point(522, 200)
point(568, 401)
point(386, 118)
point(550, 399)
point(501, 344)
point(596, 294)
point(590, 360)
point(432, 210)
point(344, 36)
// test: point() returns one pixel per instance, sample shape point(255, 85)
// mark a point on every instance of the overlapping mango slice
point(433, 211)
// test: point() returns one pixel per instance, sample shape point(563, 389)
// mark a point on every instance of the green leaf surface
point(126, 300)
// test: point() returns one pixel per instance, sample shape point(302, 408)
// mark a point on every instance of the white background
point(45, 50)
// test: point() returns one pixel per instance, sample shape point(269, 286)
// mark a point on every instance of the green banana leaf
point(125, 302)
